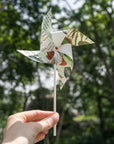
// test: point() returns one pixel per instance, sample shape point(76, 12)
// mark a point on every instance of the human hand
point(29, 127)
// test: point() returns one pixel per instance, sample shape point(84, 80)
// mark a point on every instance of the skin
point(29, 127)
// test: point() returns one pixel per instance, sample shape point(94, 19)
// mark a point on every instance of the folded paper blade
point(64, 70)
point(77, 38)
point(46, 24)
point(36, 56)
point(47, 43)
point(66, 49)
point(58, 37)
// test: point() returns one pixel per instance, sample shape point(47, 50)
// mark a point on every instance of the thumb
point(48, 122)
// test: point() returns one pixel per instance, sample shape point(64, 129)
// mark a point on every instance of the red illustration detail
point(68, 39)
point(60, 83)
point(63, 62)
point(50, 55)
point(60, 76)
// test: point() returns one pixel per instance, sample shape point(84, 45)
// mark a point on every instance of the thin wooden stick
point(54, 98)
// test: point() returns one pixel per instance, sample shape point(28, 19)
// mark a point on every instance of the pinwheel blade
point(64, 69)
point(66, 49)
point(58, 37)
point(39, 56)
point(76, 38)
point(47, 24)
point(47, 43)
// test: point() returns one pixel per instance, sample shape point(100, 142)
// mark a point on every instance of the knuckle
point(10, 117)
point(49, 125)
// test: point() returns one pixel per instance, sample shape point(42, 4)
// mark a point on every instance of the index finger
point(32, 116)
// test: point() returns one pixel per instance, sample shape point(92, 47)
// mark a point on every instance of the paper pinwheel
point(56, 49)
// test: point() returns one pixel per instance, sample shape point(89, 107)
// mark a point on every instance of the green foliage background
point(86, 103)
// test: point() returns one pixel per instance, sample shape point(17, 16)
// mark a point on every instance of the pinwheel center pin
point(56, 48)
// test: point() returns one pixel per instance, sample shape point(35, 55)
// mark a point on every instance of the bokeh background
point(86, 103)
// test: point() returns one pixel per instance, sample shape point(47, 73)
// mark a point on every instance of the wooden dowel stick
point(54, 98)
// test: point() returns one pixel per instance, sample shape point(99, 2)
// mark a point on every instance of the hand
point(29, 127)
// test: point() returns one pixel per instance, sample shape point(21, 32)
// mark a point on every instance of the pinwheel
point(56, 49)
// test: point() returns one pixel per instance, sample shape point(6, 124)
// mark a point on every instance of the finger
point(48, 123)
point(40, 137)
point(32, 116)
point(45, 132)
